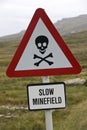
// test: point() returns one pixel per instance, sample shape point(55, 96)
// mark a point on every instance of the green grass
point(13, 93)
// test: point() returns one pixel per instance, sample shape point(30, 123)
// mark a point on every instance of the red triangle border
point(11, 72)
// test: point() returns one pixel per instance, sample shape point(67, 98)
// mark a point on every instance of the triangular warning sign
point(42, 51)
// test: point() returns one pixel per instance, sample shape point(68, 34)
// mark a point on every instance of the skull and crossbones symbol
point(41, 43)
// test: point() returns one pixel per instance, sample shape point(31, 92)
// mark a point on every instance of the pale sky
point(15, 15)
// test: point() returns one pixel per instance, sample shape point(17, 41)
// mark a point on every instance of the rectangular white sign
point(46, 96)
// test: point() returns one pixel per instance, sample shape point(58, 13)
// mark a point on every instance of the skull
point(41, 43)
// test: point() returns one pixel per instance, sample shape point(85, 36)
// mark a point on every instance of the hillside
point(72, 25)
point(12, 37)
point(64, 27)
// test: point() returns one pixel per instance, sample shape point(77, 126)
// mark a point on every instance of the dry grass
point(13, 93)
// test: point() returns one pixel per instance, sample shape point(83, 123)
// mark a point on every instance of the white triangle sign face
point(52, 50)
point(42, 51)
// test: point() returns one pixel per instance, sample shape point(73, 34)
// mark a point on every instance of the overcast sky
point(15, 15)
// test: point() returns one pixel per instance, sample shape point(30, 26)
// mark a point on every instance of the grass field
point(13, 94)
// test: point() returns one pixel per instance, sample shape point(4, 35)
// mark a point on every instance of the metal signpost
point(42, 52)
point(48, 114)
point(46, 96)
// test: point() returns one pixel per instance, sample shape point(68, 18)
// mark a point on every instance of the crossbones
point(43, 59)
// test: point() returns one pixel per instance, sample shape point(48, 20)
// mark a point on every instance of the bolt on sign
point(46, 96)
point(42, 51)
